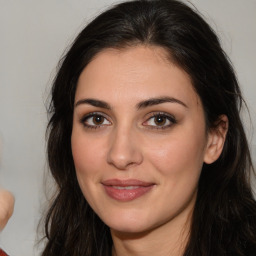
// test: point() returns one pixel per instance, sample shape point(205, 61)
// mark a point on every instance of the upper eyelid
point(169, 117)
point(94, 113)
point(161, 113)
point(149, 115)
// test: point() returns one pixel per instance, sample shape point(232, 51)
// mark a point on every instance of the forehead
point(132, 74)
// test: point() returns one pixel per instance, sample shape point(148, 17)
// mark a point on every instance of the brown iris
point(160, 120)
point(98, 120)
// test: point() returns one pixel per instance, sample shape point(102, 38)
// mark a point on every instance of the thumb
point(6, 207)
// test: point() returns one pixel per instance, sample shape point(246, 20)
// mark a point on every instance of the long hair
point(224, 218)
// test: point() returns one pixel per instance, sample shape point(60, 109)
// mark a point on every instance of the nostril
point(124, 158)
point(124, 149)
point(120, 161)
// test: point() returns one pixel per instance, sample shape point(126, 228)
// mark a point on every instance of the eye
point(95, 120)
point(160, 121)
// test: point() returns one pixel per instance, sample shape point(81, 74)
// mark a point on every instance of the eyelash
point(167, 117)
point(93, 115)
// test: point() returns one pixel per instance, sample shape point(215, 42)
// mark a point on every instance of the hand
point(6, 207)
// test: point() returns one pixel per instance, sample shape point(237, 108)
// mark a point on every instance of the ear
point(216, 139)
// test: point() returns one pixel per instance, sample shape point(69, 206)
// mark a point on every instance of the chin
point(129, 229)
point(130, 223)
point(126, 222)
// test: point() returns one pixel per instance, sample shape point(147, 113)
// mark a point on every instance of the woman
point(145, 140)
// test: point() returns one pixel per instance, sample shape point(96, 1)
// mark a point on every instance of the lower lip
point(126, 194)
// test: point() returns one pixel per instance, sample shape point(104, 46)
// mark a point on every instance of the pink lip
point(126, 190)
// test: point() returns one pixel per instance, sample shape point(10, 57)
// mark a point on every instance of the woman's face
point(139, 139)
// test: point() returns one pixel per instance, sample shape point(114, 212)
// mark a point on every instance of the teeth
point(128, 187)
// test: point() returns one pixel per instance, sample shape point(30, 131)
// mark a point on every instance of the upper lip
point(124, 183)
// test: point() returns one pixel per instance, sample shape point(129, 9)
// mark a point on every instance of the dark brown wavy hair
point(224, 218)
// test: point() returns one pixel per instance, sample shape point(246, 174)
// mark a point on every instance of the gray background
point(34, 35)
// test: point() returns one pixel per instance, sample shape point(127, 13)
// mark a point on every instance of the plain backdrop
point(33, 36)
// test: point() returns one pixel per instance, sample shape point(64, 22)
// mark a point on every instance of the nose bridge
point(124, 149)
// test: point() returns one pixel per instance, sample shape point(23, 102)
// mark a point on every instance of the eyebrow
point(140, 105)
point(93, 102)
point(157, 101)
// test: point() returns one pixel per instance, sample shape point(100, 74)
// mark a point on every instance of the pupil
point(160, 120)
point(98, 120)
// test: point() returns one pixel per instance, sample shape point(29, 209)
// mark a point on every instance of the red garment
point(2, 253)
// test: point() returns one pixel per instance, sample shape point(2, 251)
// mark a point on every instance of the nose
point(124, 149)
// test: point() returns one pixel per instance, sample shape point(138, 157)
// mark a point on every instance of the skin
point(6, 207)
point(128, 143)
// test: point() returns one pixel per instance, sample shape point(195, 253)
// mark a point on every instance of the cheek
point(178, 164)
point(179, 156)
point(86, 149)
point(178, 153)
point(86, 154)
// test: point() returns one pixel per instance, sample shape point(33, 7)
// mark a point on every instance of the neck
point(168, 239)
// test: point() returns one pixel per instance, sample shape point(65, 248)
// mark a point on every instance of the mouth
point(126, 190)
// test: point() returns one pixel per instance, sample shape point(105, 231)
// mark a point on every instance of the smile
point(126, 190)
point(128, 187)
